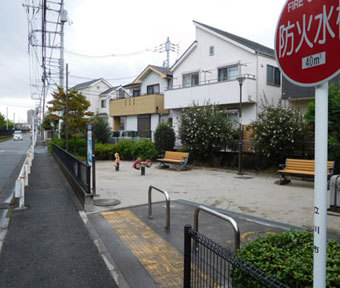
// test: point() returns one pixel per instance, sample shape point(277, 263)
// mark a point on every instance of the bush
point(164, 138)
point(144, 149)
point(205, 130)
point(288, 257)
point(125, 148)
point(81, 145)
point(333, 121)
point(105, 151)
point(101, 129)
point(277, 134)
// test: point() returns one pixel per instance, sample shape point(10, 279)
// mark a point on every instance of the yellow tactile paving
point(163, 262)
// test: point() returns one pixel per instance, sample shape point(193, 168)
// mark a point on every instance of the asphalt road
point(12, 156)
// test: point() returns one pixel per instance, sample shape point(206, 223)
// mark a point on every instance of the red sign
point(307, 41)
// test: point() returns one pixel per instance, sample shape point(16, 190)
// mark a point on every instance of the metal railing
point(167, 199)
point(212, 265)
point(223, 217)
point(79, 170)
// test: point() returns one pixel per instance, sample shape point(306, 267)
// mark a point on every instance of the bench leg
point(284, 180)
point(163, 165)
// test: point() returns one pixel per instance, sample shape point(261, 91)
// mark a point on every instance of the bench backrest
point(305, 165)
point(176, 155)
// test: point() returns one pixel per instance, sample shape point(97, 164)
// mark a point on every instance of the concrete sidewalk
point(250, 194)
point(47, 244)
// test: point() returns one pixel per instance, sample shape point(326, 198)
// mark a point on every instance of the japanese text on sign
point(293, 35)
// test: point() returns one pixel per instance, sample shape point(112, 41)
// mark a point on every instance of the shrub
point(205, 130)
point(125, 149)
point(164, 138)
point(288, 257)
point(101, 129)
point(333, 121)
point(81, 145)
point(277, 134)
point(105, 151)
point(144, 149)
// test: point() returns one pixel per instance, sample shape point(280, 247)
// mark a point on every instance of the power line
point(108, 55)
point(110, 79)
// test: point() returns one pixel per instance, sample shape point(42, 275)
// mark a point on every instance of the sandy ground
point(251, 194)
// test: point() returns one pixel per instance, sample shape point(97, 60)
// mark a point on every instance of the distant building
point(30, 115)
point(139, 106)
point(298, 97)
point(208, 72)
point(93, 91)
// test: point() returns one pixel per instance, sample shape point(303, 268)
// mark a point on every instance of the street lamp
point(240, 80)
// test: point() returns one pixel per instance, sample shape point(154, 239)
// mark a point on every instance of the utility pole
point(167, 47)
point(43, 53)
point(66, 112)
point(63, 19)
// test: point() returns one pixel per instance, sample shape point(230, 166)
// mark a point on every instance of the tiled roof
point(248, 43)
point(85, 84)
point(109, 90)
point(163, 70)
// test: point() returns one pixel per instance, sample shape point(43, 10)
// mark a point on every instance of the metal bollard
point(22, 194)
point(26, 174)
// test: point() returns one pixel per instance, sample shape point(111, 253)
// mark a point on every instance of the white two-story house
point(142, 107)
point(209, 69)
point(93, 91)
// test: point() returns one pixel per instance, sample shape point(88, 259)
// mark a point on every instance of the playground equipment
point(117, 161)
point(140, 165)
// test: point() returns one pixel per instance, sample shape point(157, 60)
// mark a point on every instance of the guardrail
point(22, 180)
point(167, 198)
point(223, 217)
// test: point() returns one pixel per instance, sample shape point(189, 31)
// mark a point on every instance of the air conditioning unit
point(335, 193)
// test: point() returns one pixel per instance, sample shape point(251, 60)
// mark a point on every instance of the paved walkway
point(47, 244)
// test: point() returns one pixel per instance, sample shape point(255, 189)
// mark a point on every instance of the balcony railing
point(212, 81)
point(143, 104)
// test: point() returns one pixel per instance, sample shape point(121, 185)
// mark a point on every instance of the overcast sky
point(106, 27)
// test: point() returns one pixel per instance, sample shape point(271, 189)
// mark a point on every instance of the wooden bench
point(172, 157)
point(301, 167)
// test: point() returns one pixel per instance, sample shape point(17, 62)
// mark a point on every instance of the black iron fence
point(79, 170)
point(207, 264)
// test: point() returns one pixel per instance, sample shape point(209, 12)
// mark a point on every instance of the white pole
point(320, 185)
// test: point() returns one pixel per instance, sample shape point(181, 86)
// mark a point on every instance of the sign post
point(307, 44)
point(91, 160)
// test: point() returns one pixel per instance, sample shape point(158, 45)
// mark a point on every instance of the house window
point(103, 103)
point(191, 79)
point(228, 73)
point(273, 75)
point(135, 92)
point(233, 117)
point(152, 89)
point(121, 94)
point(211, 50)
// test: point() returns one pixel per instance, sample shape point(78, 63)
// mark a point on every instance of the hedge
point(127, 149)
point(288, 257)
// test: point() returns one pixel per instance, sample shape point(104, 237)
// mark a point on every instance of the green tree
point(333, 119)
point(164, 138)
point(78, 115)
point(277, 134)
point(205, 130)
point(2, 121)
point(102, 129)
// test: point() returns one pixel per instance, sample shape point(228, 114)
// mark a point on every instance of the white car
point(17, 135)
